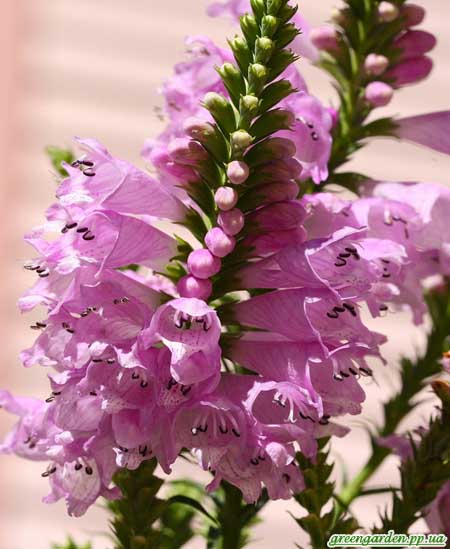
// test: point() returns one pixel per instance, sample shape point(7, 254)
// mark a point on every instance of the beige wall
point(92, 68)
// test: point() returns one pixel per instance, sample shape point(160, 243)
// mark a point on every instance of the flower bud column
point(239, 142)
point(232, 154)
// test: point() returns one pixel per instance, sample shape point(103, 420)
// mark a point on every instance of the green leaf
point(185, 500)
point(59, 155)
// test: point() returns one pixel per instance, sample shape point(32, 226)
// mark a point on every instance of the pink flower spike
point(237, 172)
point(202, 264)
point(429, 130)
point(190, 286)
point(379, 94)
point(232, 222)
point(226, 198)
point(375, 65)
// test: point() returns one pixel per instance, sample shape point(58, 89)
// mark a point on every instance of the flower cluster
point(244, 344)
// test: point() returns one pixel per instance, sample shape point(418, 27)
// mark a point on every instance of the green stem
point(231, 518)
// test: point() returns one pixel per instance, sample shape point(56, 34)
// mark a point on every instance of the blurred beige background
point(93, 68)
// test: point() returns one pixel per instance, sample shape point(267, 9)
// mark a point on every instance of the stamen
point(88, 470)
point(48, 472)
point(254, 461)
point(88, 236)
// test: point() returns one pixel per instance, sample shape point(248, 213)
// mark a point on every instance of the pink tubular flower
point(410, 71)
point(429, 130)
point(325, 38)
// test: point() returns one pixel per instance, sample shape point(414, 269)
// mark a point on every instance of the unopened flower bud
point(414, 43)
point(263, 49)
point(250, 103)
point(190, 286)
point(226, 198)
point(196, 128)
point(378, 94)
point(410, 71)
point(219, 243)
point(186, 151)
point(202, 264)
point(325, 38)
point(237, 172)
point(339, 16)
point(388, 12)
point(375, 65)
point(232, 222)
point(413, 14)
point(241, 140)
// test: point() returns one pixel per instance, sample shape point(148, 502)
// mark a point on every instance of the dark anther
point(89, 172)
point(144, 384)
point(254, 461)
point(383, 307)
point(185, 390)
point(386, 275)
point(88, 236)
point(350, 308)
point(344, 374)
point(87, 163)
point(344, 255)
point(314, 136)
point(338, 377)
point(351, 249)
point(88, 470)
point(386, 261)
point(123, 449)
point(203, 429)
point(366, 371)
point(304, 416)
point(32, 445)
point(71, 225)
point(65, 229)
point(41, 270)
point(78, 466)
point(56, 393)
point(97, 360)
point(93, 393)
point(67, 328)
point(353, 371)
point(262, 458)
point(171, 383)
point(326, 416)
point(286, 477)
point(134, 375)
point(222, 430)
point(31, 267)
point(339, 309)
point(235, 433)
point(44, 274)
point(82, 230)
point(49, 399)
point(333, 314)
point(143, 451)
point(110, 360)
point(48, 472)
point(340, 263)
point(27, 440)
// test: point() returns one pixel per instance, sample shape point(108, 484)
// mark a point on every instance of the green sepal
point(241, 52)
point(196, 223)
point(264, 151)
point(57, 156)
point(264, 48)
point(286, 34)
point(233, 80)
point(287, 12)
point(269, 25)
point(271, 122)
point(257, 76)
point(280, 62)
point(258, 8)
point(201, 194)
point(215, 143)
point(274, 6)
point(274, 93)
point(250, 28)
point(213, 176)
point(222, 111)
point(70, 544)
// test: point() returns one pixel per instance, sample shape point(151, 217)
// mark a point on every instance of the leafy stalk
point(318, 492)
point(422, 475)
